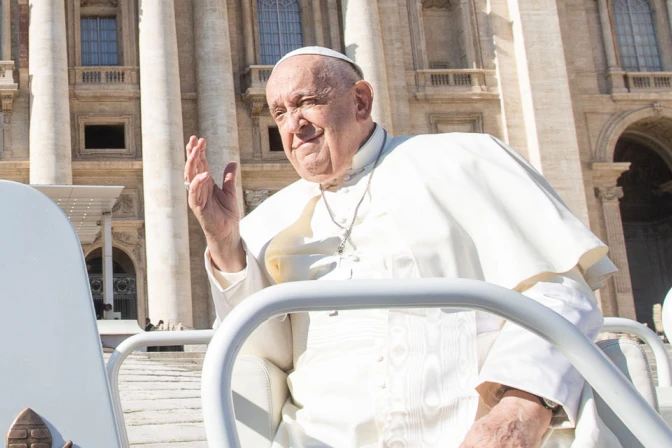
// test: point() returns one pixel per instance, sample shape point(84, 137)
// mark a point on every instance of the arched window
point(636, 34)
point(279, 29)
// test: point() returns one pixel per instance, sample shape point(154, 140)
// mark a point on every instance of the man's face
point(316, 118)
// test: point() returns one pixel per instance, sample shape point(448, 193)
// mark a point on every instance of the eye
point(308, 102)
point(278, 114)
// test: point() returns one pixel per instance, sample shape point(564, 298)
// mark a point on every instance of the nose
point(295, 121)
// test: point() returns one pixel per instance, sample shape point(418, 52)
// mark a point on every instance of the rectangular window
point(274, 140)
point(99, 41)
point(99, 136)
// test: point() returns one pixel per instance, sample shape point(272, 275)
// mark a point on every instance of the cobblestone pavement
point(161, 398)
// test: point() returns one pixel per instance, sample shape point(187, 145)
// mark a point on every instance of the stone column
point(216, 93)
point(668, 3)
point(513, 123)
point(618, 297)
point(364, 44)
point(248, 32)
point(319, 25)
point(473, 59)
point(108, 273)
point(6, 31)
point(547, 107)
point(166, 230)
point(615, 73)
point(50, 147)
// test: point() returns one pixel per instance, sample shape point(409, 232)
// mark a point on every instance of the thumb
point(229, 176)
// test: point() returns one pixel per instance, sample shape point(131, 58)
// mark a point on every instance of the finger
point(199, 191)
point(193, 140)
point(229, 176)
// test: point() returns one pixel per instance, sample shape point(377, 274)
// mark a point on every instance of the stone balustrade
point(642, 82)
point(115, 75)
point(254, 87)
point(448, 79)
point(256, 76)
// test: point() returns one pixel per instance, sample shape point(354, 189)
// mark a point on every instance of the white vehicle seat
point(52, 361)
point(260, 390)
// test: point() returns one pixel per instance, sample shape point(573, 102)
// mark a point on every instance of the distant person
point(98, 308)
point(149, 326)
point(160, 325)
point(107, 311)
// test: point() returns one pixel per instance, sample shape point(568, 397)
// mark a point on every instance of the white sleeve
point(524, 361)
point(272, 340)
point(230, 288)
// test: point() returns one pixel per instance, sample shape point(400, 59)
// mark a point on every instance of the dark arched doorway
point(124, 285)
point(646, 211)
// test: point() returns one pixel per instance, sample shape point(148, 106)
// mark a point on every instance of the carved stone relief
point(127, 205)
point(609, 193)
point(253, 198)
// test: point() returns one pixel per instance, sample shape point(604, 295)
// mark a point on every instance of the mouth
point(300, 142)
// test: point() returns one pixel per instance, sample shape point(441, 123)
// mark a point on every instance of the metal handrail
point(152, 338)
point(663, 365)
point(599, 372)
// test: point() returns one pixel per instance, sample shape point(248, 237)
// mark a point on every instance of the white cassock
point(451, 205)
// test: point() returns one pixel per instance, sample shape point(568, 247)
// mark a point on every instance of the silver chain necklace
point(346, 236)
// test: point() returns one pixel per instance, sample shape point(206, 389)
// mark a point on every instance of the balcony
point(437, 84)
point(647, 82)
point(104, 78)
point(254, 87)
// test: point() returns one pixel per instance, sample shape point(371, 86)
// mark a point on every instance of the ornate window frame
point(125, 14)
point(82, 120)
point(659, 11)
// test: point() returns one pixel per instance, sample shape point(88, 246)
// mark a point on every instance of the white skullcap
point(321, 51)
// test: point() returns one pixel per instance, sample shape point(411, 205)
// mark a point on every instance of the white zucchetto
point(321, 51)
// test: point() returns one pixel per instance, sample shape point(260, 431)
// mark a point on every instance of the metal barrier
point(663, 367)
point(159, 338)
point(599, 372)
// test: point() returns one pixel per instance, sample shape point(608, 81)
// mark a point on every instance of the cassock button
point(347, 177)
point(344, 190)
point(380, 358)
point(341, 220)
point(381, 384)
point(355, 258)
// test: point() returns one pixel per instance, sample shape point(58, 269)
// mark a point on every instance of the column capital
point(606, 174)
point(609, 194)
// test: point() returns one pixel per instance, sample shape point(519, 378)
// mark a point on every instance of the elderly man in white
point(370, 206)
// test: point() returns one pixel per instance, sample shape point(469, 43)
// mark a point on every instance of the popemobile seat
point(260, 388)
point(52, 360)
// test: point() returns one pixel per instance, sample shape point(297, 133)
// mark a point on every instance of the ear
point(363, 100)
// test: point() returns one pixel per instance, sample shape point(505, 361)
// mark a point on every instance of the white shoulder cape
point(468, 207)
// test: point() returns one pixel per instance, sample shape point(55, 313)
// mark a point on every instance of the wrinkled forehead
point(299, 73)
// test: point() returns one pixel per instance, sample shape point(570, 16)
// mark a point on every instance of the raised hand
point(215, 208)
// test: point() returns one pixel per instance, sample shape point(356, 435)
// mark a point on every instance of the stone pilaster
point(617, 296)
point(547, 106)
point(364, 44)
point(615, 73)
point(6, 31)
point(167, 235)
point(216, 94)
point(50, 146)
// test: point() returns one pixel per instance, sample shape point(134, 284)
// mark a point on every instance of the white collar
point(367, 154)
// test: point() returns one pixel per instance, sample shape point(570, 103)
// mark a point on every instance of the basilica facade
point(107, 92)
